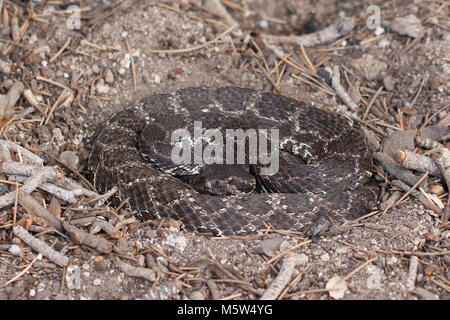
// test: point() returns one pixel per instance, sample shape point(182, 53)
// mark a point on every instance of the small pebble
point(325, 257)
point(70, 159)
point(389, 83)
point(73, 277)
point(197, 295)
point(97, 282)
point(102, 88)
point(95, 69)
point(15, 249)
point(109, 78)
point(126, 61)
point(409, 26)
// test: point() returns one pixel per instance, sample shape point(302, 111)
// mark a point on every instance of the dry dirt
point(238, 266)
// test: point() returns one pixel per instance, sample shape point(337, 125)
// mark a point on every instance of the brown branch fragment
point(443, 161)
point(15, 29)
point(416, 194)
point(29, 96)
point(11, 99)
point(340, 91)
point(396, 170)
point(41, 247)
point(33, 207)
point(290, 261)
point(136, 272)
point(107, 227)
point(23, 169)
point(389, 203)
point(323, 36)
point(11, 146)
point(80, 237)
point(416, 161)
point(69, 196)
point(412, 272)
point(38, 177)
point(218, 7)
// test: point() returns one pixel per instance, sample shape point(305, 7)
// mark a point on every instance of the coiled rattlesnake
point(323, 162)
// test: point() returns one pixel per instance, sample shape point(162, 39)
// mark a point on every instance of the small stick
point(108, 228)
point(276, 257)
point(29, 186)
point(416, 194)
point(371, 103)
point(340, 91)
point(413, 253)
point(64, 99)
point(425, 175)
point(133, 70)
point(66, 44)
point(390, 201)
point(41, 247)
point(12, 96)
point(356, 270)
point(11, 146)
point(165, 256)
point(79, 237)
point(412, 273)
point(15, 30)
point(443, 161)
point(103, 198)
point(55, 83)
point(418, 162)
point(16, 199)
point(136, 272)
point(323, 36)
point(29, 96)
point(290, 261)
point(217, 6)
point(395, 169)
point(69, 196)
point(33, 207)
point(23, 169)
point(21, 273)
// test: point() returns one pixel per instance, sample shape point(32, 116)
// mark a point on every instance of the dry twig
point(80, 237)
point(290, 261)
point(340, 91)
point(416, 161)
point(136, 272)
point(323, 36)
point(41, 247)
point(33, 207)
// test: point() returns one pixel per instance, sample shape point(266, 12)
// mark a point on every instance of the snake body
point(324, 162)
